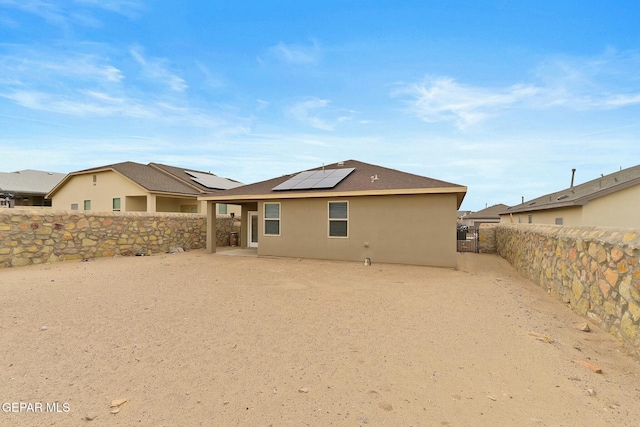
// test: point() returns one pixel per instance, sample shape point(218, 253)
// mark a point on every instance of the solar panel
point(327, 178)
point(303, 175)
point(328, 182)
point(213, 182)
point(306, 183)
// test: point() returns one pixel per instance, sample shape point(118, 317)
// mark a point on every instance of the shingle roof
point(490, 212)
point(183, 174)
point(153, 177)
point(29, 181)
point(360, 181)
point(582, 194)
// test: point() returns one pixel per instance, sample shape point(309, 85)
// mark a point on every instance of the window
point(87, 205)
point(116, 204)
point(222, 208)
point(559, 221)
point(272, 219)
point(530, 219)
point(338, 219)
point(74, 206)
point(95, 179)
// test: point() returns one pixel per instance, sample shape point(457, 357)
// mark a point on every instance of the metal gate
point(467, 239)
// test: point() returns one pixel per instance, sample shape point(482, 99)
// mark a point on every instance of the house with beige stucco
point(349, 210)
point(608, 201)
point(135, 187)
point(488, 215)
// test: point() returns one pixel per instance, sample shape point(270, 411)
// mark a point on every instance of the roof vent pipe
point(573, 175)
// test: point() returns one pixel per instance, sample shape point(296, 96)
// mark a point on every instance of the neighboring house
point(609, 201)
point(487, 215)
point(27, 187)
point(462, 214)
point(348, 211)
point(134, 187)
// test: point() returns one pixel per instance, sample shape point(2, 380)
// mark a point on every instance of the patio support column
point(151, 203)
point(211, 227)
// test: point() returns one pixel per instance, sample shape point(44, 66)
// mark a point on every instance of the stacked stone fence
point(487, 238)
point(225, 225)
point(36, 236)
point(594, 269)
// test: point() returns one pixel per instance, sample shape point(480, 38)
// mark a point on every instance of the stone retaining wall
point(487, 238)
point(30, 236)
point(596, 270)
point(225, 225)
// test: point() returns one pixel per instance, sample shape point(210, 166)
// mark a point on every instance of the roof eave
point(574, 203)
point(172, 194)
point(460, 191)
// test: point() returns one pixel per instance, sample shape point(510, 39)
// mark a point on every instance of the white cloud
point(157, 70)
point(296, 54)
point(42, 67)
point(7, 22)
point(302, 111)
point(318, 113)
point(82, 104)
point(91, 85)
point(622, 100)
point(47, 10)
point(63, 14)
point(607, 81)
point(211, 80)
point(262, 104)
point(443, 99)
point(128, 8)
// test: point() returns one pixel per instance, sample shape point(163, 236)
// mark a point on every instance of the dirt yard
point(198, 339)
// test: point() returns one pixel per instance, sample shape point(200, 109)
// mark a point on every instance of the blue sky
point(505, 97)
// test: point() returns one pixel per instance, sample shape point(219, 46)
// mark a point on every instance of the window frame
point(330, 220)
point(87, 205)
point(265, 219)
point(113, 204)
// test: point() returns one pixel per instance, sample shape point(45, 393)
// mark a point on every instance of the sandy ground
point(198, 339)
